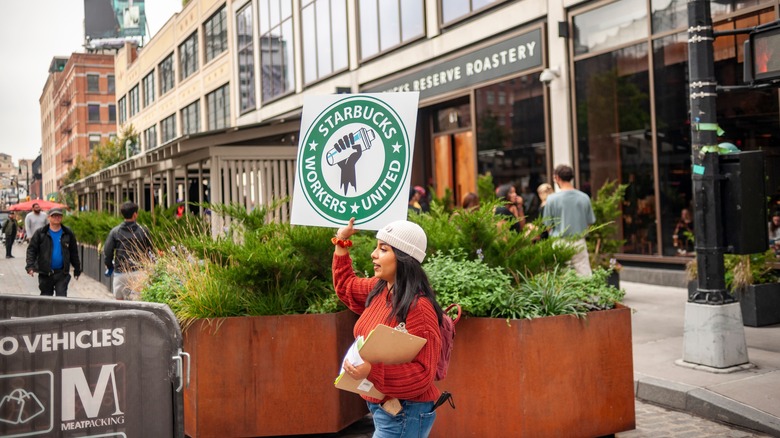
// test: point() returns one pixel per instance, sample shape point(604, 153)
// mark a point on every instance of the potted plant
point(526, 313)
point(753, 280)
point(602, 237)
point(520, 327)
point(262, 325)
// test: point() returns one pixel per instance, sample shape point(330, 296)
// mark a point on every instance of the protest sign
point(354, 159)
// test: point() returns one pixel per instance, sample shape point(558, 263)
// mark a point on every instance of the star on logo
point(313, 146)
point(354, 208)
point(396, 147)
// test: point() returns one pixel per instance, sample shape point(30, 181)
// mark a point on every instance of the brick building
point(78, 112)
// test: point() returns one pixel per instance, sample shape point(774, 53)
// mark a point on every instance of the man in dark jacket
point(51, 253)
point(9, 229)
point(127, 245)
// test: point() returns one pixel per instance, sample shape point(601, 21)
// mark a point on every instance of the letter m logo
point(75, 382)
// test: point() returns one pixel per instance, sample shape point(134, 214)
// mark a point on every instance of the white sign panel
point(354, 159)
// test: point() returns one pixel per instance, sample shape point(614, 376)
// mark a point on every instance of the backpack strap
point(454, 306)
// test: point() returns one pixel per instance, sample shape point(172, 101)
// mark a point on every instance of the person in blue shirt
point(52, 252)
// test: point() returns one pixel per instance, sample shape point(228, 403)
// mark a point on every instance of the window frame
point(134, 101)
point(93, 140)
point(249, 54)
point(90, 88)
point(217, 22)
point(402, 42)
point(168, 124)
point(277, 27)
point(472, 12)
point(90, 107)
point(110, 84)
point(318, 40)
point(186, 115)
point(167, 70)
point(148, 86)
point(150, 132)
point(188, 56)
point(211, 108)
point(122, 108)
point(112, 112)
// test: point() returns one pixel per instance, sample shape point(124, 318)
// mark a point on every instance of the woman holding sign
point(398, 293)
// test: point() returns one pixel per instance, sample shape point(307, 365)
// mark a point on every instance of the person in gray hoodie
point(34, 220)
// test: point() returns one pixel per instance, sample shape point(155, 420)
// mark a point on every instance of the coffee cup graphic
point(362, 136)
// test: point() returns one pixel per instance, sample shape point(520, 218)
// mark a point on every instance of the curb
point(704, 403)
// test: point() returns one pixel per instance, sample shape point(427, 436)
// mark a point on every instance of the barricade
point(90, 368)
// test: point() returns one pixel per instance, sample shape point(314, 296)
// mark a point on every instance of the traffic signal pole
point(714, 335)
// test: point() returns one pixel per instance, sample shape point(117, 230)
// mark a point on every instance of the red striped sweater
point(409, 381)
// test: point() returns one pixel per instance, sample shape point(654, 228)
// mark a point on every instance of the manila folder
point(362, 386)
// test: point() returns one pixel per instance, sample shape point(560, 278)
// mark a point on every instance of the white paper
point(353, 354)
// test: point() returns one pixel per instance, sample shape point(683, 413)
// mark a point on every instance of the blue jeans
point(414, 421)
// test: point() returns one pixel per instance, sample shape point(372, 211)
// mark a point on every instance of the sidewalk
point(749, 398)
point(14, 279)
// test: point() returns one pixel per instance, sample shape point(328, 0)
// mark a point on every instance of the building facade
point(78, 113)
point(223, 119)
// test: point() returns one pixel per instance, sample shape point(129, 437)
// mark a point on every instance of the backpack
point(447, 329)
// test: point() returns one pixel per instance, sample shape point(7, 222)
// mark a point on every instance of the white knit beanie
point(406, 236)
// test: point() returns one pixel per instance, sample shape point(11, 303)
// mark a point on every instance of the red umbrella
point(45, 205)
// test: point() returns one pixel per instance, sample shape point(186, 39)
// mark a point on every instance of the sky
point(32, 32)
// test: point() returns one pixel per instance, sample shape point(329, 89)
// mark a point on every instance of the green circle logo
point(353, 159)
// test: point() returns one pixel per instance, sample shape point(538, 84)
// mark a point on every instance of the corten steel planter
point(269, 375)
point(547, 377)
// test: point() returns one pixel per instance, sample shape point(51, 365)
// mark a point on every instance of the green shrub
point(744, 270)
point(602, 238)
point(477, 287)
point(482, 234)
point(91, 227)
point(561, 292)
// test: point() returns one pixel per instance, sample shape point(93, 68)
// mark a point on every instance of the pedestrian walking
point(399, 293)
point(34, 220)
point(570, 212)
point(52, 251)
point(9, 230)
point(126, 246)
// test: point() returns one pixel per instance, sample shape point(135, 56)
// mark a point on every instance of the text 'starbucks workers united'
point(354, 159)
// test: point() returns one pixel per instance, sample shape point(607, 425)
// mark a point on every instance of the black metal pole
point(708, 226)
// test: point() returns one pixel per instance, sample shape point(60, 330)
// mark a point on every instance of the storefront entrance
point(454, 163)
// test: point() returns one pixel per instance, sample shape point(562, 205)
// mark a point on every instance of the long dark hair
point(410, 283)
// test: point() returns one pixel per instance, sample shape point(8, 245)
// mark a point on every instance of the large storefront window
point(614, 137)
point(673, 133)
point(614, 124)
point(511, 141)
